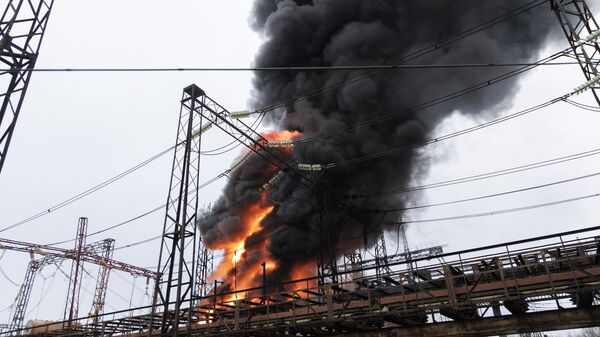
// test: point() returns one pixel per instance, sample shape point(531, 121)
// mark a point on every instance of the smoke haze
point(359, 32)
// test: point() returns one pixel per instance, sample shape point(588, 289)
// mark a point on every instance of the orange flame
point(238, 249)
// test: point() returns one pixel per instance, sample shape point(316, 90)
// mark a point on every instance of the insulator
point(310, 167)
point(590, 38)
point(202, 130)
point(272, 181)
point(240, 161)
point(283, 143)
point(241, 114)
point(585, 86)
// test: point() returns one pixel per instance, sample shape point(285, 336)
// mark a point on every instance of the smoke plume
point(361, 32)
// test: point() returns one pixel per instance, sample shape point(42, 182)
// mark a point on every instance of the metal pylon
point(76, 276)
point(381, 259)
point(578, 23)
point(175, 293)
point(106, 251)
point(327, 270)
point(22, 28)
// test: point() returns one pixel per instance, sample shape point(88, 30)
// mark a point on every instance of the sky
point(79, 129)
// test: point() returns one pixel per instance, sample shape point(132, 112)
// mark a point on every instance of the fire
point(245, 261)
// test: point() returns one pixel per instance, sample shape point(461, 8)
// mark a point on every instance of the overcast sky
point(79, 129)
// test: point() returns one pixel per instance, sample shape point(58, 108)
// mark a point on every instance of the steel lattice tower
point(177, 261)
point(327, 270)
point(103, 248)
point(381, 257)
point(22, 28)
point(16, 321)
point(72, 305)
point(106, 251)
point(578, 23)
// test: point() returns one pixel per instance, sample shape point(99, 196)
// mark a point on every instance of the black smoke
point(364, 32)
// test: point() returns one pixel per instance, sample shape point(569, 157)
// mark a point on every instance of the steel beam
point(72, 305)
point(578, 23)
point(22, 28)
point(177, 259)
point(493, 326)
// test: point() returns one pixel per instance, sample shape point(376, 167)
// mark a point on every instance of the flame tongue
point(246, 249)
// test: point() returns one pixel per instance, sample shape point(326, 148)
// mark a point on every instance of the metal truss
point(231, 124)
point(327, 268)
point(69, 254)
point(177, 261)
point(76, 276)
point(352, 261)
point(432, 298)
point(381, 256)
point(106, 250)
point(35, 266)
point(16, 321)
point(22, 28)
point(205, 268)
point(579, 25)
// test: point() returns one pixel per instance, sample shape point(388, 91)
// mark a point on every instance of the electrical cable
point(434, 205)
point(8, 278)
point(517, 11)
point(438, 100)
point(298, 68)
point(448, 136)
point(525, 189)
point(583, 106)
point(505, 211)
point(108, 289)
point(413, 55)
point(483, 176)
point(123, 174)
point(88, 191)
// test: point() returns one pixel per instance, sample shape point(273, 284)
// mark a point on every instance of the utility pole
point(22, 29)
point(582, 32)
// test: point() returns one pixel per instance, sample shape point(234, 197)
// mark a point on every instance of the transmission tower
point(35, 266)
point(72, 305)
point(177, 261)
point(22, 28)
point(381, 258)
point(327, 269)
point(106, 248)
point(204, 267)
point(16, 322)
point(353, 261)
point(581, 30)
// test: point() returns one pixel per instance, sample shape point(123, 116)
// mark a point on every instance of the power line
point(406, 58)
point(505, 211)
point(301, 68)
point(88, 191)
point(137, 217)
point(450, 135)
point(415, 54)
point(471, 178)
point(466, 216)
point(116, 178)
point(438, 100)
point(525, 189)
point(481, 176)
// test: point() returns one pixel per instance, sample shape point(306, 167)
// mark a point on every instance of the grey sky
point(78, 129)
